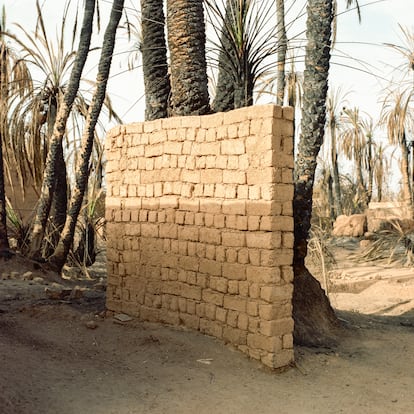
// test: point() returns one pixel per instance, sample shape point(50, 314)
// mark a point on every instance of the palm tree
point(381, 166)
point(59, 129)
point(58, 259)
point(154, 59)
point(368, 157)
point(314, 318)
point(353, 143)
point(15, 80)
point(246, 42)
point(281, 51)
point(4, 241)
point(224, 93)
point(397, 117)
point(186, 41)
point(334, 105)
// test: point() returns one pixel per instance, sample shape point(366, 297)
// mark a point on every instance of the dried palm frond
point(320, 254)
point(392, 245)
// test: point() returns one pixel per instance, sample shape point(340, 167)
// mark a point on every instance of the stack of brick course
point(200, 227)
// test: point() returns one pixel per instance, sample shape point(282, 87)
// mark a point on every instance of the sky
point(359, 46)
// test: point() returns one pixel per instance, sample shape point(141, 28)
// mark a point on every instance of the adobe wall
point(200, 227)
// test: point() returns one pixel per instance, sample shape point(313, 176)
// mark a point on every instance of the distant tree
point(381, 169)
point(353, 142)
point(334, 106)
point(397, 117)
point(368, 156)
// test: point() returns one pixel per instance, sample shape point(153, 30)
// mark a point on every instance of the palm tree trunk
point(58, 259)
point(49, 174)
point(314, 317)
point(224, 98)
point(154, 59)
point(60, 192)
point(281, 51)
point(362, 192)
point(4, 241)
point(406, 182)
point(186, 40)
point(243, 90)
point(335, 173)
point(370, 171)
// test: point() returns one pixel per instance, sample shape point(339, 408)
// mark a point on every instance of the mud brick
point(233, 287)
point(243, 323)
point(277, 257)
point(210, 311)
point(210, 236)
point(190, 321)
point(262, 274)
point(234, 207)
point(276, 293)
point(211, 296)
point(233, 238)
point(234, 336)
point(275, 311)
point(212, 328)
point(234, 303)
point(222, 285)
point(287, 341)
point(278, 327)
point(244, 288)
point(221, 314)
point(282, 358)
point(231, 255)
point(252, 308)
point(259, 341)
point(210, 267)
point(234, 271)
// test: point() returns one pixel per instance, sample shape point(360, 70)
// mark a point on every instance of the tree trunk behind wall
point(315, 320)
point(154, 59)
point(281, 51)
point(224, 98)
point(186, 41)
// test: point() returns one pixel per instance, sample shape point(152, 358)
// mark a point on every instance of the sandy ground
point(67, 355)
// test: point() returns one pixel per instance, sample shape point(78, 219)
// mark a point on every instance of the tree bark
point(281, 52)
point(406, 182)
point(186, 40)
point(224, 98)
point(370, 170)
point(58, 259)
point(335, 172)
point(4, 241)
point(315, 320)
point(49, 174)
point(154, 59)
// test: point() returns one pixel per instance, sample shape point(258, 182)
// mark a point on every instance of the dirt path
point(68, 356)
point(52, 363)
